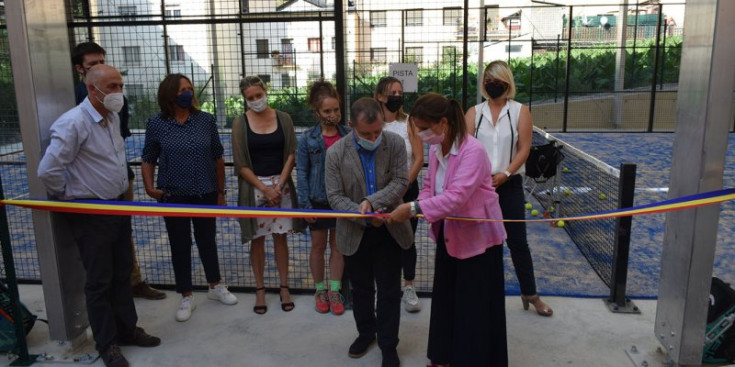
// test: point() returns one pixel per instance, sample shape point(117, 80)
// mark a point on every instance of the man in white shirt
point(86, 160)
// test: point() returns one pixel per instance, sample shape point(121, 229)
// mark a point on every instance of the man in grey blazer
point(366, 173)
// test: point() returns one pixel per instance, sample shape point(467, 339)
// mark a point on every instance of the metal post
point(39, 51)
point(567, 71)
point(480, 52)
point(656, 56)
point(339, 50)
point(703, 112)
point(619, 82)
point(465, 50)
point(626, 190)
point(556, 70)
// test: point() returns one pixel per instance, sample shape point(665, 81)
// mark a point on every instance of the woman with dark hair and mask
point(312, 192)
point(389, 92)
point(505, 128)
point(183, 141)
point(264, 152)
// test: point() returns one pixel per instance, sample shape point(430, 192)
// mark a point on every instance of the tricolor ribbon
point(184, 210)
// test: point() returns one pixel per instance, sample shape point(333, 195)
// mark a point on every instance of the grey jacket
point(345, 181)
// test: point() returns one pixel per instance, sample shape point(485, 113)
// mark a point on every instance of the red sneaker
point(322, 302)
point(336, 303)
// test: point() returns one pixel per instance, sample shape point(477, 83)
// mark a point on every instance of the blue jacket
point(310, 157)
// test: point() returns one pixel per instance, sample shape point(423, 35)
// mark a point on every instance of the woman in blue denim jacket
point(310, 156)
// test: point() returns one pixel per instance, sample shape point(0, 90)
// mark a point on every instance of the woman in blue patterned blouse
point(185, 145)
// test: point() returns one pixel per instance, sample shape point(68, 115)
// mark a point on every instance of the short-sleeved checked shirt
point(185, 153)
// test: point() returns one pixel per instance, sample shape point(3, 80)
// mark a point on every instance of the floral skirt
point(273, 225)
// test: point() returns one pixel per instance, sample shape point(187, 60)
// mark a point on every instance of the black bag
point(543, 161)
point(7, 323)
point(719, 342)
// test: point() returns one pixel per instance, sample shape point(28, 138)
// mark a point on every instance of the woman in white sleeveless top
point(389, 92)
point(505, 128)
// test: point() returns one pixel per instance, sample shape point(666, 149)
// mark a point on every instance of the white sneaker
point(411, 301)
point(185, 308)
point(222, 294)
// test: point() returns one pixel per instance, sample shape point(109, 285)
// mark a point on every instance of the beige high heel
point(541, 308)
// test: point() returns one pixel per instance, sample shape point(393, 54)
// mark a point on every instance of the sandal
point(260, 309)
point(541, 308)
point(286, 306)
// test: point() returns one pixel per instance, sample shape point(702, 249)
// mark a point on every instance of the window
point(176, 53)
point(453, 16)
point(414, 17)
point(513, 48)
point(315, 45)
point(134, 90)
point(334, 43)
point(127, 11)
point(285, 81)
point(245, 6)
point(131, 55)
point(378, 54)
point(377, 19)
point(414, 54)
point(266, 78)
point(261, 48)
point(173, 11)
point(449, 54)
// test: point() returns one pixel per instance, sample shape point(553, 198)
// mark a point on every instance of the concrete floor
point(582, 332)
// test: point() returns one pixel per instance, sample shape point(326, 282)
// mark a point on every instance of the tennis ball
point(565, 170)
point(551, 209)
point(534, 212)
point(602, 196)
point(560, 224)
point(529, 206)
point(567, 192)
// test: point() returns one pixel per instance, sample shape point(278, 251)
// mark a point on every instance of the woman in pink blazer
point(468, 300)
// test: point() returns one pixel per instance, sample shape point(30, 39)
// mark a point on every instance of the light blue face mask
point(370, 145)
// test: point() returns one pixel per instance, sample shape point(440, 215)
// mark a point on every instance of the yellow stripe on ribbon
point(184, 210)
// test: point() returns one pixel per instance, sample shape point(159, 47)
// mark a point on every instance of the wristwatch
point(413, 208)
point(507, 173)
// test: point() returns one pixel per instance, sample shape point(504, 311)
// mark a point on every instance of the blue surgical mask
point(370, 145)
point(185, 99)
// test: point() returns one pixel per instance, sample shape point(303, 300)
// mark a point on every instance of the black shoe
point(141, 339)
point(390, 358)
point(360, 346)
point(113, 357)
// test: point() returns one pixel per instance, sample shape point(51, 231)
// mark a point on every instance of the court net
point(583, 184)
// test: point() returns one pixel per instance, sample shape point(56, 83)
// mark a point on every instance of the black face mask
point(495, 89)
point(394, 103)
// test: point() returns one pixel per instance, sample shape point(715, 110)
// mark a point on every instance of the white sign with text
point(407, 73)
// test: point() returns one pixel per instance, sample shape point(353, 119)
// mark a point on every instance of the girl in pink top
point(468, 302)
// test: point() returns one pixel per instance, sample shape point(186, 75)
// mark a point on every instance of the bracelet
point(507, 173)
point(413, 209)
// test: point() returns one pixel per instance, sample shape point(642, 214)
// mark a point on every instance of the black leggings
point(513, 207)
point(408, 256)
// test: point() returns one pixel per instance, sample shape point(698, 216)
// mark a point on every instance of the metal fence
point(567, 71)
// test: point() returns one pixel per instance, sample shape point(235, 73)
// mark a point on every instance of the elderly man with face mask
point(85, 160)
point(366, 172)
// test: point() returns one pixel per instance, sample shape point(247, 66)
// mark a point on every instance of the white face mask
point(113, 102)
point(258, 105)
point(429, 137)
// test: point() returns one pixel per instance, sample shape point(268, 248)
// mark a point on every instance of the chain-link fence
point(574, 66)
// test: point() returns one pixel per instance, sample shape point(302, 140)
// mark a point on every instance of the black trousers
point(513, 207)
point(179, 235)
point(467, 326)
point(104, 248)
point(377, 261)
point(408, 256)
